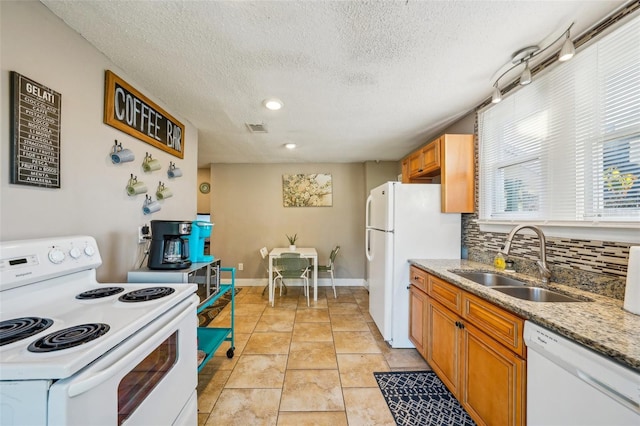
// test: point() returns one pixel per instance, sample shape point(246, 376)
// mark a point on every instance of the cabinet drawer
point(499, 324)
point(418, 278)
point(449, 295)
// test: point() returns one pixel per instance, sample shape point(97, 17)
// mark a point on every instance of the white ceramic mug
point(122, 156)
point(174, 173)
point(151, 207)
point(136, 188)
point(151, 165)
point(163, 193)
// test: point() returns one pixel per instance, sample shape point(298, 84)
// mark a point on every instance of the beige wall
point(92, 198)
point(464, 125)
point(378, 172)
point(248, 213)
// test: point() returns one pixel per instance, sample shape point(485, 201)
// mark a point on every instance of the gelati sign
point(130, 111)
point(35, 133)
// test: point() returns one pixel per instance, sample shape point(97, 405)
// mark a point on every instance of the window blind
point(566, 148)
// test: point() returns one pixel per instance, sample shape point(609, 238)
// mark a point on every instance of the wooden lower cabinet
point(493, 385)
point(485, 377)
point(443, 344)
point(418, 319)
point(485, 373)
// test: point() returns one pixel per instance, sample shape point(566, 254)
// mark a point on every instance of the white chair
point(296, 268)
point(265, 258)
point(330, 267)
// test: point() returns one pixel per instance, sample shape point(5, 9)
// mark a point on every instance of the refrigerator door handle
point(367, 214)
point(367, 241)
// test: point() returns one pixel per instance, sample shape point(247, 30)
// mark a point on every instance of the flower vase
point(292, 247)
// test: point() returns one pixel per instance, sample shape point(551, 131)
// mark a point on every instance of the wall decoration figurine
point(307, 190)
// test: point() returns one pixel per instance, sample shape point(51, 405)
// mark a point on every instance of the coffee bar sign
point(130, 111)
point(35, 133)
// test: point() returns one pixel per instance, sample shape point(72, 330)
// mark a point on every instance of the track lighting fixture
point(526, 54)
point(568, 49)
point(525, 77)
point(496, 96)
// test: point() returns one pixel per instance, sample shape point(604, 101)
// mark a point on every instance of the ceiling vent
point(257, 128)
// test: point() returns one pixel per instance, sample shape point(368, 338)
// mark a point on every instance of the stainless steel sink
point(535, 294)
point(515, 288)
point(490, 279)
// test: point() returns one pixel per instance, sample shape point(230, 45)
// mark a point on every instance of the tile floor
point(299, 365)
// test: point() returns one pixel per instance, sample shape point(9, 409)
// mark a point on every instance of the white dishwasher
point(568, 384)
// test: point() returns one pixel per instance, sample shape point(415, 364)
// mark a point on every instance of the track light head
point(525, 77)
point(496, 96)
point(567, 51)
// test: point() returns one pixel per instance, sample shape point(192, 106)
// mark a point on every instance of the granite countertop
point(599, 322)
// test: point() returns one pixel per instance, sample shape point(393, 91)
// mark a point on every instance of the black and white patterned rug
point(420, 398)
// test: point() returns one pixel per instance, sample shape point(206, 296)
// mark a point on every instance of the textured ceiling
point(359, 80)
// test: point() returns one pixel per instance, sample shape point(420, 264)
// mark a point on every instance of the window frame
point(594, 227)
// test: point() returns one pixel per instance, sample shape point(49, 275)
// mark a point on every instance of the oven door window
point(144, 377)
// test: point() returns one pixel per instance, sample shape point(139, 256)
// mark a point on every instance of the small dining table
point(308, 252)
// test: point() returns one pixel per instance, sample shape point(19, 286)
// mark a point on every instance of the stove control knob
point(75, 252)
point(56, 255)
point(89, 251)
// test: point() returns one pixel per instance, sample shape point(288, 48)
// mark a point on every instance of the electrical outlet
point(240, 266)
point(143, 234)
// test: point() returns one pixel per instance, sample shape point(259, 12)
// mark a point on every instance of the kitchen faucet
point(545, 272)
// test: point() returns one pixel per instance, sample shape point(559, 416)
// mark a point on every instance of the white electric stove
point(74, 351)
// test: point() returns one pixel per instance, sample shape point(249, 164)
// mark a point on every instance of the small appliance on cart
point(169, 248)
point(205, 274)
point(74, 351)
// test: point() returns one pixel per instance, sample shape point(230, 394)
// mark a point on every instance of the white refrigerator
point(403, 221)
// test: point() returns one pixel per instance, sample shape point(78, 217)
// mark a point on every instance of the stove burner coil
point(20, 328)
point(146, 294)
point(68, 337)
point(99, 293)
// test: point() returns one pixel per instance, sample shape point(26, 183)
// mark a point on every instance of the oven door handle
point(82, 386)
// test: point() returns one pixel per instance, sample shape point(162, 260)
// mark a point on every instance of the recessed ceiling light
point(273, 104)
point(290, 145)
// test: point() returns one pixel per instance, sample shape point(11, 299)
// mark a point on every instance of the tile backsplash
point(595, 266)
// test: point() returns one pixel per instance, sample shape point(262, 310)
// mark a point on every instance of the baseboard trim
point(322, 282)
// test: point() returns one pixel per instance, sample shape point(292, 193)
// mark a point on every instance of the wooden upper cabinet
point(416, 164)
point(405, 171)
point(431, 157)
point(448, 160)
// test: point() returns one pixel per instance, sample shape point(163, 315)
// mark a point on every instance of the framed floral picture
point(307, 190)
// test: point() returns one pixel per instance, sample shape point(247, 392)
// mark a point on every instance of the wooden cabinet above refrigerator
point(448, 160)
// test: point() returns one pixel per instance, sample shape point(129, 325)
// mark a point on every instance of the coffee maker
point(168, 248)
point(200, 231)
